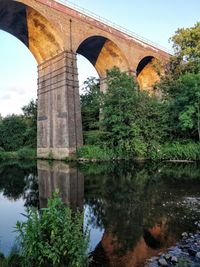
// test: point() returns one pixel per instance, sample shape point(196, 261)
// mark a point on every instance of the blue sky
point(156, 20)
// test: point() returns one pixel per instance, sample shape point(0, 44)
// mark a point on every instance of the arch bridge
point(55, 33)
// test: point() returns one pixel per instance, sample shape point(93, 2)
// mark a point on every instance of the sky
point(156, 20)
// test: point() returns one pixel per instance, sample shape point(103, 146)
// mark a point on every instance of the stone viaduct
point(55, 34)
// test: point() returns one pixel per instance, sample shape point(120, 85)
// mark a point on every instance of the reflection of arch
point(30, 27)
point(147, 74)
point(151, 241)
point(103, 54)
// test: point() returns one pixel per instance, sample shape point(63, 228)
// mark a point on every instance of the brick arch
point(31, 28)
point(147, 72)
point(103, 53)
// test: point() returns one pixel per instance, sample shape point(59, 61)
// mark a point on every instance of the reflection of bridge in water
point(135, 209)
point(131, 234)
point(59, 175)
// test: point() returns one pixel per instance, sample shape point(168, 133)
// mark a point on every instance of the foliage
point(92, 152)
point(93, 137)
point(8, 155)
point(30, 116)
point(17, 131)
point(22, 153)
point(53, 237)
point(132, 119)
point(13, 260)
point(177, 151)
point(187, 51)
point(26, 153)
point(182, 98)
point(90, 104)
point(12, 129)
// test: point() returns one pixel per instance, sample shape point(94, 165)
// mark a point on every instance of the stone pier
point(59, 112)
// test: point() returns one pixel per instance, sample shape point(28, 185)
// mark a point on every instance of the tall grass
point(177, 151)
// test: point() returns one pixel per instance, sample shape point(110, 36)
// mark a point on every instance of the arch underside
point(147, 73)
point(103, 54)
point(31, 28)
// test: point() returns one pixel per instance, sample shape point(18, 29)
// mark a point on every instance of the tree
point(184, 102)
point(30, 116)
point(186, 58)
point(180, 85)
point(90, 104)
point(132, 120)
point(12, 133)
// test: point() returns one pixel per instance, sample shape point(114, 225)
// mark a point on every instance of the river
point(135, 209)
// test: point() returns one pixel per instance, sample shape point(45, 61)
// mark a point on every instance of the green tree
point(12, 132)
point(183, 96)
point(180, 85)
point(30, 116)
point(133, 121)
point(90, 109)
point(90, 104)
point(186, 45)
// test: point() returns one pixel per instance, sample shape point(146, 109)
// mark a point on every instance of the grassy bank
point(167, 151)
point(23, 153)
point(177, 151)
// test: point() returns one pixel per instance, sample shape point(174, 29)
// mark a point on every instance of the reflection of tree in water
point(31, 191)
point(19, 179)
point(131, 201)
point(115, 198)
point(134, 200)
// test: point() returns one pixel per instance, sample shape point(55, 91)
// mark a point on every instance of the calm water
point(136, 209)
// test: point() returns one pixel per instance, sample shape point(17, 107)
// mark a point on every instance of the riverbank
point(23, 153)
point(186, 253)
point(166, 152)
point(173, 152)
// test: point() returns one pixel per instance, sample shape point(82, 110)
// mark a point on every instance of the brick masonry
point(54, 33)
point(59, 114)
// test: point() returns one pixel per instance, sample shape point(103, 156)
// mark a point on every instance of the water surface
point(135, 209)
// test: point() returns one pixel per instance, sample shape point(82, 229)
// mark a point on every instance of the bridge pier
point(59, 112)
point(68, 180)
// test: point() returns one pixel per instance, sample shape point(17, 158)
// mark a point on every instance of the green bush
point(177, 151)
point(93, 137)
point(53, 237)
point(95, 152)
point(26, 153)
point(8, 155)
point(12, 129)
point(13, 260)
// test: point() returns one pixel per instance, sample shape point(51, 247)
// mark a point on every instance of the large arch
point(103, 53)
point(147, 73)
point(30, 27)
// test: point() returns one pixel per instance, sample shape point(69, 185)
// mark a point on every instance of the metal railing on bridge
point(113, 25)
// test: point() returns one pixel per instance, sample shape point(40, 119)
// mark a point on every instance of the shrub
point(93, 137)
point(177, 151)
point(13, 260)
point(95, 152)
point(53, 237)
point(26, 153)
